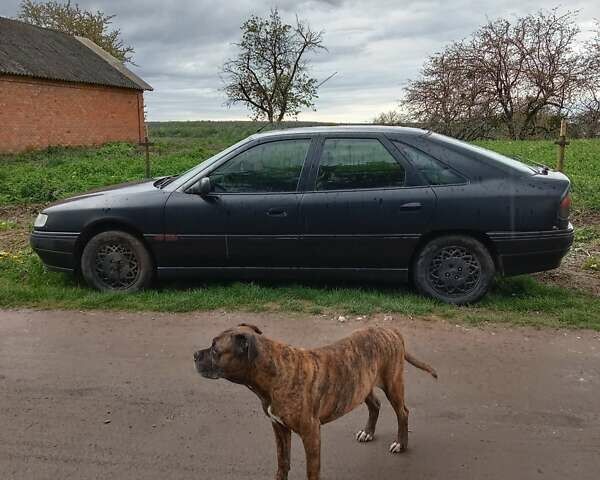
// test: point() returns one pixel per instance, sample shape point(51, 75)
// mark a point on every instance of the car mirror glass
point(202, 188)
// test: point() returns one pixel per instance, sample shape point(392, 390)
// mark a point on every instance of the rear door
point(363, 207)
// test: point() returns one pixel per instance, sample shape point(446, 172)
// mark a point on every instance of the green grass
point(587, 234)
point(38, 177)
point(517, 301)
point(6, 225)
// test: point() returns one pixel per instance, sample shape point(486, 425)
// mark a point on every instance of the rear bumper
point(529, 252)
point(56, 249)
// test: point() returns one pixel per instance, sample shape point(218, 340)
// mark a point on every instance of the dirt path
point(107, 395)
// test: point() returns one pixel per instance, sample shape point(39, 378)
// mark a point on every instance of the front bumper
point(56, 249)
point(529, 252)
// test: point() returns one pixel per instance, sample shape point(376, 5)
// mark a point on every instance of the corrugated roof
point(43, 53)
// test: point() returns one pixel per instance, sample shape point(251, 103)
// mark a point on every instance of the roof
point(343, 129)
point(38, 52)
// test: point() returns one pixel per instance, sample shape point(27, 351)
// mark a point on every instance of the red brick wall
point(36, 114)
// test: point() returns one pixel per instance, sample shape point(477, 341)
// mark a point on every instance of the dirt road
point(108, 395)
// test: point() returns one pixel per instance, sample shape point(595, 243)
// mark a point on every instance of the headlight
point(40, 221)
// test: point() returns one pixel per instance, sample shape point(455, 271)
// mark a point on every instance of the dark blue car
point(391, 201)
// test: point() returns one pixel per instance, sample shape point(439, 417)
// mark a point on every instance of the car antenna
point(327, 79)
point(265, 126)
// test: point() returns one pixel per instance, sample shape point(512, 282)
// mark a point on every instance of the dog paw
point(363, 436)
point(396, 447)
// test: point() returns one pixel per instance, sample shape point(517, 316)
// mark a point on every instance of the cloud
point(374, 46)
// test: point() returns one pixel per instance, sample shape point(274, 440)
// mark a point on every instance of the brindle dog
point(301, 390)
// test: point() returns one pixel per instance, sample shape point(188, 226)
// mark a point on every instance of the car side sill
point(400, 274)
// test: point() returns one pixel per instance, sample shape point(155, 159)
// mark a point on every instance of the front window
point(352, 163)
point(192, 172)
point(264, 168)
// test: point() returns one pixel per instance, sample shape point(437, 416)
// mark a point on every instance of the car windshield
point(507, 161)
point(191, 173)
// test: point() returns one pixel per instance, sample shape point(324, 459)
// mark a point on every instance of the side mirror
point(201, 188)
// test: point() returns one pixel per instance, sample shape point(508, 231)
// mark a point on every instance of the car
point(401, 203)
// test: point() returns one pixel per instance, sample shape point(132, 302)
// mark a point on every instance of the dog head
point(231, 355)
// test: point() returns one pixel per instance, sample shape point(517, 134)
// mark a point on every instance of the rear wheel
point(116, 261)
point(454, 269)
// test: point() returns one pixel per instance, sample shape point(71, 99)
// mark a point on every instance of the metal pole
point(147, 145)
point(562, 143)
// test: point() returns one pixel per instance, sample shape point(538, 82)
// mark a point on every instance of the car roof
point(358, 129)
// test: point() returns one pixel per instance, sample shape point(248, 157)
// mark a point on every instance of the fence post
point(562, 142)
point(147, 144)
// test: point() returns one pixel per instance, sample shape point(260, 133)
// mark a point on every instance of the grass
point(517, 301)
point(587, 234)
point(40, 177)
point(6, 225)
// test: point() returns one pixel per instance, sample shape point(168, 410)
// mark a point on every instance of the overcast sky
point(374, 45)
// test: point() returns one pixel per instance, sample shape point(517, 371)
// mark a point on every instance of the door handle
point(276, 212)
point(411, 206)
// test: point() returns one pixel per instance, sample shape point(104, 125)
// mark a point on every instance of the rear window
point(497, 157)
point(356, 163)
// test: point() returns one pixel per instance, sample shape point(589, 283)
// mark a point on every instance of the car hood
point(112, 191)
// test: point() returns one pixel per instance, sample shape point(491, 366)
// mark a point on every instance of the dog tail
point(419, 364)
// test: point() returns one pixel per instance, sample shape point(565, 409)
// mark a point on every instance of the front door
point(360, 211)
point(253, 209)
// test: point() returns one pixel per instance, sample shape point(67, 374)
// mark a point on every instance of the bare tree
point(516, 72)
point(448, 98)
point(391, 117)
point(587, 110)
point(71, 19)
point(270, 74)
point(529, 66)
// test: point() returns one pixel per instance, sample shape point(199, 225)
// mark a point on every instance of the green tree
point(270, 74)
point(70, 18)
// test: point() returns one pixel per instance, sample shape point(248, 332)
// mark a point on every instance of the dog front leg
point(311, 438)
point(283, 439)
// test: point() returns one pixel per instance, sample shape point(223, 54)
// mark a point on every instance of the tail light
point(564, 210)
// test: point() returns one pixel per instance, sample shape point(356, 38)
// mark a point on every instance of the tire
point(455, 269)
point(116, 261)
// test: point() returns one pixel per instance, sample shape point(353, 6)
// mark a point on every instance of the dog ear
point(245, 346)
point(253, 327)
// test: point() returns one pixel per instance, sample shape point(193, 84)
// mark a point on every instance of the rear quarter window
point(434, 171)
point(492, 157)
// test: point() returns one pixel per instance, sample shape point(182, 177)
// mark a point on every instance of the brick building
point(56, 89)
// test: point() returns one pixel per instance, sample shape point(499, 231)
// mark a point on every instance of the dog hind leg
point(394, 390)
point(373, 404)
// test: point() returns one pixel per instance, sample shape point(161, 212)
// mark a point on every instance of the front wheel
point(116, 261)
point(454, 269)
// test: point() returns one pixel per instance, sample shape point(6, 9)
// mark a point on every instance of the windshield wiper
point(162, 182)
